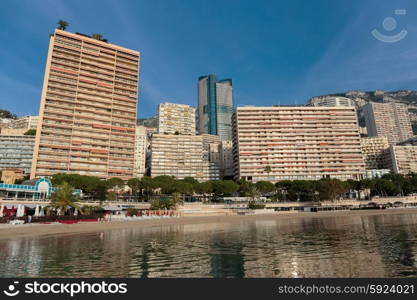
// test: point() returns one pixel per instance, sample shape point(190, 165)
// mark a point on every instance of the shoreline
point(45, 230)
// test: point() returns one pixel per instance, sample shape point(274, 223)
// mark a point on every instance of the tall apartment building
point(388, 119)
point(215, 106)
point(331, 101)
point(181, 156)
point(219, 152)
point(226, 158)
point(211, 148)
point(176, 119)
point(376, 153)
point(16, 151)
point(88, 109)
point(295, 143)
point(141, 148)
point(404, 159)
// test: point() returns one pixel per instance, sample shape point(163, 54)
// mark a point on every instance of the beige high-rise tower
point(388, 119)
point(296, 143)
point(87, 115)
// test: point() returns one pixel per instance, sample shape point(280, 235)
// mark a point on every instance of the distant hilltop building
point(26, 122)
point(215, 106)
point(389, 119)
point(20, 125)
point(361, 98)
point(176, 119)
point(87, 117)
point(330, 101)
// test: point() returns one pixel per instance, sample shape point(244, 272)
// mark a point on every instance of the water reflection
point(354, 246)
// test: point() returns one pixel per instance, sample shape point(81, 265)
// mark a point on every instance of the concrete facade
point(181, 156)
point(376, 152)
point(176, 119)
point(404, 159)
point(295, 143)
point(388, 119)
point(16, 151)
point(141, 146)
point(88, 109)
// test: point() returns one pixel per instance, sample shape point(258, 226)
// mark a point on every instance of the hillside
point(404, 96)
point(148, 122)
point(5, 114)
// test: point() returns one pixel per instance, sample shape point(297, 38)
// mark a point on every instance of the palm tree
point(253, 193)
point(64, 198)
point(98, 37)
point(176, 199)
point(62, 25)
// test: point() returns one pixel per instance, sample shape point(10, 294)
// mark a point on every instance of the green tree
point(165, 183)
point(244, 187)
point(203, 188)
point(115, 183)
point(148, 185)
point(224, 187)
point(253, 205)
point(63, 198)
point(135, 185)
point(330, 189)
point(99, 37)
point(91, 186)
point(5, 114)
point(30, 132)
point(265, 187)
point(176, 200)
point(190, 180)
point(62, 25)
point(182, 187)
point(268, 169)
point(254, 193)
point(162, 203)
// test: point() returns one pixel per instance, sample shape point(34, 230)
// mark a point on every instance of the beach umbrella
point(36, 211)
point(19, 212)
point(12, 211)
point(22, 211)
point(41, 212)
point(1, 210)
point(76, 212)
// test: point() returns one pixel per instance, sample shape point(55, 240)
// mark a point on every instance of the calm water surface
point(353, 246)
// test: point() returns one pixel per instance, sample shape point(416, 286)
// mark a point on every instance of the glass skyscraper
point(215, 106)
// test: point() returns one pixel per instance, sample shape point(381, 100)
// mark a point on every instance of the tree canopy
point(62, 25)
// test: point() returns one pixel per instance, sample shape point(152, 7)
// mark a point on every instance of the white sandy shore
point(31, 230)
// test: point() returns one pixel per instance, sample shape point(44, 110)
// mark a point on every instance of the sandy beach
point(32, 230)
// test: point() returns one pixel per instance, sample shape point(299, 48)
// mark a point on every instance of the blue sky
point(276, 52)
